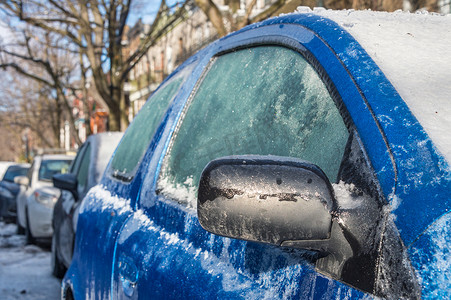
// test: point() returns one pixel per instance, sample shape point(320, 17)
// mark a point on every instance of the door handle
point(128, 275)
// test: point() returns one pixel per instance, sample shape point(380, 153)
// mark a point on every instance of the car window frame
point(291, 45)
point(183, 73)
point(78, 158)
point(308, 47)
point(31, 171)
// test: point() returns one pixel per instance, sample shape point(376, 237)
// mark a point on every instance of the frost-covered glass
point(138, 135)
point(263, 101)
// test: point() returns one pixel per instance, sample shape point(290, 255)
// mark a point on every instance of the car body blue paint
point(188, 262)
point(99, 222)
point(430, 257)
point(166, 239)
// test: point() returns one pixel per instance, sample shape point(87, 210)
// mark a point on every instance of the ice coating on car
point(186, 192)
point(273, 102)
point(431, 258)
point(343, 195)
point(163, 239)
point(106, 143)
point(267, 273)
point(109, 201)
point(414, 52)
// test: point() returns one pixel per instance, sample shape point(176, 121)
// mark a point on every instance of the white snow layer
point(25, 271)
point(414, 52)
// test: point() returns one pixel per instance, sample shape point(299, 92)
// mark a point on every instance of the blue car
point(304, 157)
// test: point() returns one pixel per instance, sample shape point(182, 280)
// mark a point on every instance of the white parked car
point(37, 195)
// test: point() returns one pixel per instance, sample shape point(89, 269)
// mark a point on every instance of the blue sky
point(148, 11)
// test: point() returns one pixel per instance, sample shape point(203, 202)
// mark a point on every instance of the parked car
point(9, 190)
point(86, 171)
point(304, 157)
point(37, 195)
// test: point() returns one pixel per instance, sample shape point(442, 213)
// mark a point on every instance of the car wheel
point(28, 234)
point(58, 269)
point(20, 229)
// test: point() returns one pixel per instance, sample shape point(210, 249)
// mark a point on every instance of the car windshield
point(51, 167)
point(13, 172)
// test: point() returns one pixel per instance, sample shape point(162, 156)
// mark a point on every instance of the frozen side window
point(265, 100)
point(138, 135)
point(82, 176)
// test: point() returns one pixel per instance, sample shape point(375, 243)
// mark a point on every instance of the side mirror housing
point(268, 199)
point(66, 182)
point(22, 180)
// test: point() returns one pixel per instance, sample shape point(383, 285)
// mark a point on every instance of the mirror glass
point(265, 199)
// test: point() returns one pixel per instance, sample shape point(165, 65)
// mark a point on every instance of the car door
point(64, 210)
point(104, 210)
point(275, 90)
point(272, 99)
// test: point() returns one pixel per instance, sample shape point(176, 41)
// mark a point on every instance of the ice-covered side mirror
point(66, 182)
point(268, 199)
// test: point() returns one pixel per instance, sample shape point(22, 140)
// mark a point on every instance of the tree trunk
point(213, 14)
point(86, 108)
point(58, 124)
point(114, 117)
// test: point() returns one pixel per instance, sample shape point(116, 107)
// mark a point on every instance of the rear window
point(13, 172)
point(51, 167)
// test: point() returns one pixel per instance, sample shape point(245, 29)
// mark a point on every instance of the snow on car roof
point(414, 52)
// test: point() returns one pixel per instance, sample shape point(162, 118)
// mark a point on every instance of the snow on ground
point(25, 271)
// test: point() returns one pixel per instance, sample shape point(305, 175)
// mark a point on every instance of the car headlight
point(46, 199)
point(6, 193)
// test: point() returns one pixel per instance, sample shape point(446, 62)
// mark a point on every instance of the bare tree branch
point(152, 37)
point(24, 72)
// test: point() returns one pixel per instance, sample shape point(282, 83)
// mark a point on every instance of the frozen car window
point(51, 167)
point(264, 101)
point(138, 136)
